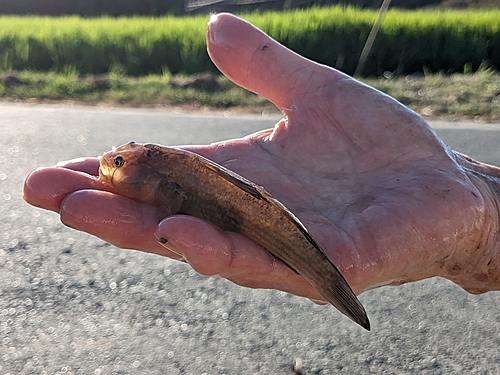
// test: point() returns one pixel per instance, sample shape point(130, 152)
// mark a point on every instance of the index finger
point(48, 187)
point(86, 165)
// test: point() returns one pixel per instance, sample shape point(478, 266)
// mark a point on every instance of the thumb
point(255, 61)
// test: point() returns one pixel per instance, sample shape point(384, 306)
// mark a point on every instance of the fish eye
point(118, 161)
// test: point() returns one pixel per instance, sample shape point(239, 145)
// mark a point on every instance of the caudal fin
point(339, 294)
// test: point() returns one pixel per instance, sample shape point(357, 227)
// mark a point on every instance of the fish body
point(183, 182)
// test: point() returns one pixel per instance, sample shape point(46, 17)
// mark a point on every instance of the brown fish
point(183, 182)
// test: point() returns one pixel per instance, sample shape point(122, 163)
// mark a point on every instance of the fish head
point(127, 169)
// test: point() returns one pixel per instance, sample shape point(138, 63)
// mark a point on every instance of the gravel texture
point(73, 304)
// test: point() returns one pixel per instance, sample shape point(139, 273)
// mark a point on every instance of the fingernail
point(164, 242)
point(213, 18)
point(214, 39)
point(160, 239)
point(69, 162)
point(318, 301)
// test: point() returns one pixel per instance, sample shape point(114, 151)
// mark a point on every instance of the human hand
point(387, 201)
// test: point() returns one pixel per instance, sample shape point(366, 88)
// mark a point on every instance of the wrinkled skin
point(384, 197)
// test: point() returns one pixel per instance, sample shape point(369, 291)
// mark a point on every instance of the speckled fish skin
point(183, 182)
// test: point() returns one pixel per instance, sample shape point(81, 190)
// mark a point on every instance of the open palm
point(387, 201)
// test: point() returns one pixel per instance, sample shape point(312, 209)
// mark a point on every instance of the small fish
point(182, 182)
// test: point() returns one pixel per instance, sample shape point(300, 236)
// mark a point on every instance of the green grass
point(137, 44)
point(464, 95)
point(119, 89)
point(408, 40)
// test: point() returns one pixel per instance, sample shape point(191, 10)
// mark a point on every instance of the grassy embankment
point(465, 95)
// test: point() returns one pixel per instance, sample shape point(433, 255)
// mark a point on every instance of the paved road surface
point(70, 303)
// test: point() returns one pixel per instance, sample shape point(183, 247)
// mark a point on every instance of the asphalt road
point(71, 303)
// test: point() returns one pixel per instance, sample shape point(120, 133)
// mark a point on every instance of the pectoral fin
point(172, 195)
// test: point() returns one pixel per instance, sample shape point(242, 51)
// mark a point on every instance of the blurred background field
point(93, 8)
point(408, 42)
point(438, 60)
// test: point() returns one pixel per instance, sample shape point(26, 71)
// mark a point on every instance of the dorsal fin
point(240, 181)
point(260, 193)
